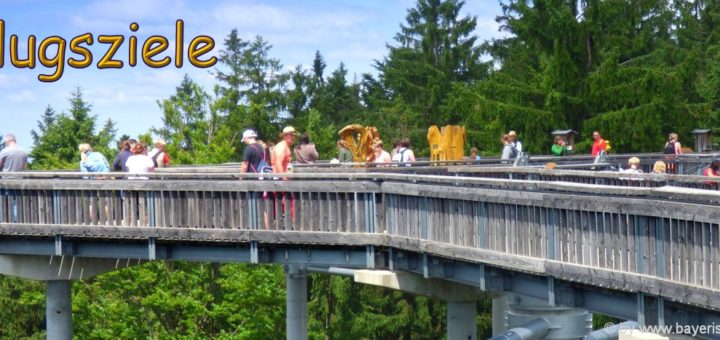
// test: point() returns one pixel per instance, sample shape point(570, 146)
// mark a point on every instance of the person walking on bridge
point(282, 153)
point(159, 154)
point(306, 153)
point(123, 155)
point(12, 157)
point(139, 163)
point(281, 157)
point(672, 150)
point(599, 144)
point(507, 151)
point(404, 154)
point(381, 156)
point(253, 155)
point(512, 136)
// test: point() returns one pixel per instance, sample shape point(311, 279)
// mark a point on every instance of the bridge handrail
point(343, 181)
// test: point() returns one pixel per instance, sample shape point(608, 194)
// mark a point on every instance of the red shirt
point(598, 146)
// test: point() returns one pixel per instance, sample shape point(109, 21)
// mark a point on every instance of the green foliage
point(193, 131)
point(58, 136)
point(23, 311)
point(323, 135)
point(162, 300)
point(252, 90)
point(436, 47)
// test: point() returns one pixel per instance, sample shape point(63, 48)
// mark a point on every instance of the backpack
point(400, 156)
point(513, 151)
point(669, 148)
point(155, 157)
point(263, 166)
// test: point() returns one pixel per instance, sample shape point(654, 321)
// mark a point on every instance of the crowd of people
point(133, 157)
point(260, 156)
point(137, 159)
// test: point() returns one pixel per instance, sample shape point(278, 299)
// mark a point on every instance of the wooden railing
point(662, 241)
point(612, 178)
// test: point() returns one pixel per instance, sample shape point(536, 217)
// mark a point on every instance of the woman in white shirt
point(139, 163)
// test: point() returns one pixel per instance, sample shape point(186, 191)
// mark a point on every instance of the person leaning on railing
point(712, 171)
point(474, 156)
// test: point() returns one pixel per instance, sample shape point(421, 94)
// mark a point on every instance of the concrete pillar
point(499, 315)
point(296, 281)
point(461, 323)
point(58, 310)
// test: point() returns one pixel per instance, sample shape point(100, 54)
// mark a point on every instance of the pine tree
point(48, 118)
point(251, 94)
point(337, 101)
point(190, 128)
point(435, 47)
point(57, 145)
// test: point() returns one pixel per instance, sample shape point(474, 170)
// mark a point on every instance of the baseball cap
point(248, 134)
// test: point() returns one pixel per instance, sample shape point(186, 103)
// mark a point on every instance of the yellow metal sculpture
point(446, 144)
point(360, 140)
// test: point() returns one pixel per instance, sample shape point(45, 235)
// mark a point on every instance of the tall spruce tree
point(57, 145)
point(191, 129)
point(435, 47)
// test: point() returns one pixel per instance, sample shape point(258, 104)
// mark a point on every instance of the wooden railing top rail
point(347, 182)
point(582, 173)
point(572, 160)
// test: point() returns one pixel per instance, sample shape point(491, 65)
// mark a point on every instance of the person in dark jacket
point(123, 155)
point(305, 153)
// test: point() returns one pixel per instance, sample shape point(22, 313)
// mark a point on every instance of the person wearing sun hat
point(514, 141)
point(282, 153)
point(281, 156)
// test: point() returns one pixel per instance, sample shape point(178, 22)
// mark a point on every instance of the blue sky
point(352, 31)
